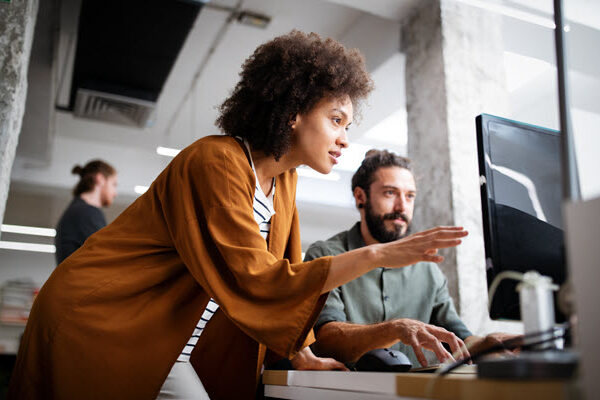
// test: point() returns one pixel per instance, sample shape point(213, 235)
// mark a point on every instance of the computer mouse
point(383, 360)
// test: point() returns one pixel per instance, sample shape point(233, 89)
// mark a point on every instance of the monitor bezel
point(492, 252)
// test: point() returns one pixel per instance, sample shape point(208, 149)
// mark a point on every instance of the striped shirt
point(263, 211)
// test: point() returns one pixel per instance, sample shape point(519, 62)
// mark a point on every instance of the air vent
point(114, 108)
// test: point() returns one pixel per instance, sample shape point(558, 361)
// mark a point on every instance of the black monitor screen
point(521, 200)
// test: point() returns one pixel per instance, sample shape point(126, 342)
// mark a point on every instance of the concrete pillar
point(17, 23)
point(454, 71)
point(37, 137)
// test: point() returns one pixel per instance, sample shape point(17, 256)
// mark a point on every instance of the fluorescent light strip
point(511, 12)
point(140, 189)
point(28, 230)
point(166, 151)
point(310, 173)
point(35, 247)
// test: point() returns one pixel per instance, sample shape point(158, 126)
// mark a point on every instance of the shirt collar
point(266, 200)
point(355, 239)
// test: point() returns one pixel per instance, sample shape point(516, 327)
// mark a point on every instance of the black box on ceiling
point(128, 48)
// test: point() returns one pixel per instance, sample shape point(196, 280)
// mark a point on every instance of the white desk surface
point(325, 385)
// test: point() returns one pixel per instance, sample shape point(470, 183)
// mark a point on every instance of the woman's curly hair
point(285, 77)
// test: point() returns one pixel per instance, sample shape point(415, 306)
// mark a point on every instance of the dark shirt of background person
point(83, 217)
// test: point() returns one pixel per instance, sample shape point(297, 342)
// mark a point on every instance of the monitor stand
point(545, 364)
point(544, 360)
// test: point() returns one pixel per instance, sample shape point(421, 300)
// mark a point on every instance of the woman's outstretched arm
point(422, 246)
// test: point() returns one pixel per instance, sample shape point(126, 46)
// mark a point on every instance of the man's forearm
point(347, 342)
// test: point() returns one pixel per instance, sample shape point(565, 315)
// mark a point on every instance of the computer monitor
point(521, 198)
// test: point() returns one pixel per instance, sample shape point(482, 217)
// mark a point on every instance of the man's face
point(390, 204)
point(108, 189)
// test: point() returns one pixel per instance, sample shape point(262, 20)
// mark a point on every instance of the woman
point(113, 318)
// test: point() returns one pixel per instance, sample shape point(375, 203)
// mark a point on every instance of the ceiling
point(207, 69)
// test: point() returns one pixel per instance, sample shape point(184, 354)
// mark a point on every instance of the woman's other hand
point(306, 360)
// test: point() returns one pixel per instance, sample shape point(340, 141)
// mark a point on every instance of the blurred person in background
point(97, 188)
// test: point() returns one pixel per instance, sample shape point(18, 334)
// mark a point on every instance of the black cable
point(510, 344)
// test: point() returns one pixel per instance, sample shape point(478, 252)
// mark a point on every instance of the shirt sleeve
point(444, 314)
point(334, 309)
point(207, 204)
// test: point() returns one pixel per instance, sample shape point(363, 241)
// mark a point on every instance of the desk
point(336, 385)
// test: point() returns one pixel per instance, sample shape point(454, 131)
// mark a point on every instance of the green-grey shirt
point(418, 292)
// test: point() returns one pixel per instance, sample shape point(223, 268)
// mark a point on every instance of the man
point(97, 187)
point(406, 309)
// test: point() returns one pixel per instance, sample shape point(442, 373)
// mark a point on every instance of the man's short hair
point(285, 77)
point(375, 159)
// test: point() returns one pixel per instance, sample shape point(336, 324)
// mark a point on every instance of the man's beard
point(105, 200)
point(377, 228)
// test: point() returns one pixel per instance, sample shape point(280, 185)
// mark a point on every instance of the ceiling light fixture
point(28, 230)
point(253, 19)
point(167, 151)
point(35, 247)
point(140, 189)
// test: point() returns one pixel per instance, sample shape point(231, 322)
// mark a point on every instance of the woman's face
point(320, 134)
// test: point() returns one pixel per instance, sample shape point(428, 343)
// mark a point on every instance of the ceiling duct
point(125, 52)
point(113, 108)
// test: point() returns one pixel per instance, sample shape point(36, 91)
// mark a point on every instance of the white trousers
point(182, 384)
